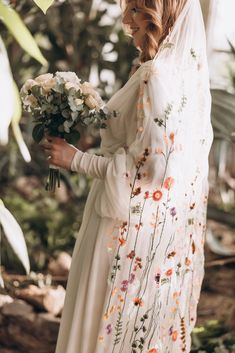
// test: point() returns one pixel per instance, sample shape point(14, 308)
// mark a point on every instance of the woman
point(137, 265)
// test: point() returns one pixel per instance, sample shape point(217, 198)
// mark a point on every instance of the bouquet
point(59, 104)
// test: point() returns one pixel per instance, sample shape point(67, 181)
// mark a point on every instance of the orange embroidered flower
point(169, 272)
point(193, 247)
point(174, 335)
point(187, 261)
point(172, 137)
point(122, 241)
point(157, 195)
point(138, 302)
point(138, 226)
point(153, 350)
point(168, 183)
point(106, 316)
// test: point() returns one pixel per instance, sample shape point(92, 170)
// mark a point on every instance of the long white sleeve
point(90, 164)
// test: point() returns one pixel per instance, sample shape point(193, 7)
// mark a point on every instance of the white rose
point(78, 101)
point(87, 88)
point(67, 77)
point(27, 86)
point(48, 85)
point(30, 101)
point(69, 85)
point(42, 78)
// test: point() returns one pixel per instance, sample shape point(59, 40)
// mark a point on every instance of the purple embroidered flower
point(124, 286)
point(132, 277)
point(157, 278)
point(170, 330)
point(173, 211)
point(109, 329)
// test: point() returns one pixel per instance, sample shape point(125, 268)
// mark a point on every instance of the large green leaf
point(6, 95)
point(14, 235)
point(223, 113)
point(44, 4)
point(18, 29)
point(15, 125)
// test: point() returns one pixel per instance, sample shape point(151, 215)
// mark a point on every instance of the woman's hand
point(59, 152)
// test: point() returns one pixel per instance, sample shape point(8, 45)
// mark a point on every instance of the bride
point(138, 262)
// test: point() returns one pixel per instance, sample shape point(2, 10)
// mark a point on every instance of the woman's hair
point(160, 16)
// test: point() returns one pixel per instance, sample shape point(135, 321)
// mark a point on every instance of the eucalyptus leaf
point(20, 32)
point(38, 132)
point(73, 137)
point(14, 235)
point(44, 4)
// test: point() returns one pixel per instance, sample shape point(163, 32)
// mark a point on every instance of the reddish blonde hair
point(160, 16)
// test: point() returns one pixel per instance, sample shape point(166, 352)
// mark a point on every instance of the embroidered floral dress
point(138, 262)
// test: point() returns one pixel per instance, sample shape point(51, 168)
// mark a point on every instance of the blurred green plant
point(213, 337)
point(14, 236)
point(11, 111)
point(48, 224)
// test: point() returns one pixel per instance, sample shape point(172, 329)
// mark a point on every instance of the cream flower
point(48, 85)
point(42, 78)
point(78, 101)
point(67, 77)
point(28, 86)
point(31, 101)
point(69, 85)
point(87, 88)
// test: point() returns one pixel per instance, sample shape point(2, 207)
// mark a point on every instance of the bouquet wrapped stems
point(53, 179)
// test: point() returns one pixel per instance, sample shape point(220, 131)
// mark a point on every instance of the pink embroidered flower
point(109, 329)
point(124, 286)
point(173, 211)
point(146, 195)
point(132, 277)
point(131, 255)
point(168, 183)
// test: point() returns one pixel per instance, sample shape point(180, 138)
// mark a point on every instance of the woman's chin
point(137, 44)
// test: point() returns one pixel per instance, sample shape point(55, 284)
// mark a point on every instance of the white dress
point(138, 263)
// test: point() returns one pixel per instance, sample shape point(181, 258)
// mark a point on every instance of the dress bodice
point(121, 130)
